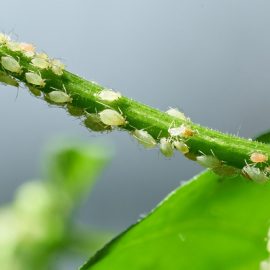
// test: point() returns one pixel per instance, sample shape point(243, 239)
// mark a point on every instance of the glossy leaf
point(209, 223)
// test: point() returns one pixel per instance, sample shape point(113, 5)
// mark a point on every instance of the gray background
point(210, 58)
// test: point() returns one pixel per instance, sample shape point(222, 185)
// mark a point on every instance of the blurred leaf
point(209, 223)
point(264, 137)
point(74, 167)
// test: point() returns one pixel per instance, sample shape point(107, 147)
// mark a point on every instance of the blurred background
point(209, 58)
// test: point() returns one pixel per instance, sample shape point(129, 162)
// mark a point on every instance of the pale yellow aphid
point(13, 46)
point(42, 55)
point(6, 79)
point(59, 97)
point(144, 138)
point(257, 157)
point(109, 95)
point(181, 147)
point(208, 161)
point(35, 79)
point(57, 67)
point(255, 174)
point(176, 131)
point(94, 123)
point(226, 170)
point(112, 118)
point(40, 63)
point(28, 49)
point(10, 64)
point(166, 147)
point(4, 39)
point(176, 113)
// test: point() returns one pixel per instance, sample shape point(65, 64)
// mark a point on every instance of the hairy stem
point(231, 150)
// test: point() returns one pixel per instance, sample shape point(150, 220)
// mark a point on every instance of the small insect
point(112, 118)
point(34, 78)
point(181, 147)
point(94, 123)
point(28, 49)
point(144, 138)
point(4, 39)
point(57, 67)
point(75, 111)
point(208, 161)
point(254, 174)
point(11, 64)
point(226, 170)
point(257, 157)
point(59, 97)
point(13, 46)
point(36, 92)
point(176, 113)
point(109, 95)
point(166, 147)
point(177, 131)
point(40, 63)
point(6, 79)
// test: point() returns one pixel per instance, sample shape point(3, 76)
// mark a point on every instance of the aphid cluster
point(41, 61)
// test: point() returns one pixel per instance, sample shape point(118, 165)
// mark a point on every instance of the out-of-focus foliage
point(38, 224)
point(210, 223)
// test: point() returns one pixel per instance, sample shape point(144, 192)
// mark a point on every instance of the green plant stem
point(230, 149)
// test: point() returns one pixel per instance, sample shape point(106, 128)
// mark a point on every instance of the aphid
point(6, 79)
point(13, 46)
point(57, 67)
point(34, 78)
point(40, 63)
point(144, 138)
point(226, 170)
point(75, 111)
point(59, 97)
point(257, 157)
point(176, 113)
point(109, 95)
point(94, 123)
point(185, 132)
point(42, 55)
point(4, 39)
point(177, 131)
point(112, 118)
point(166, 147)
point(28, 49)
point(181, 147)
point(36, 92)
point(254, 174)
point(208, 161)
point(10, 64)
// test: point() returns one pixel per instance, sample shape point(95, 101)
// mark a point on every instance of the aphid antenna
point(158, 136)
point(105, 105)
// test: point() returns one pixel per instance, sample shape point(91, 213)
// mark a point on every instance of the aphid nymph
point(35, 79)
point(181, 147)
point(166, 147)
point(185, 131)
point(254, 174)
point(57, 67)
point(208, 161)
point(59, 97)
point(10, 64)
point(112, 118)
point(144, 138)
point(176, 113)
point(109, 95)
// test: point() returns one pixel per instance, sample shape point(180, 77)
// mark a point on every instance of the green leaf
point(75, 166)
point(209, 223)
point(264, 137)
